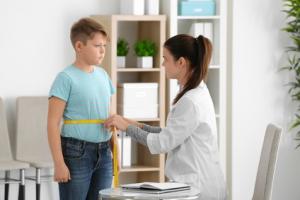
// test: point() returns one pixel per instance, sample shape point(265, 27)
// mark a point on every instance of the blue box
point(197, 8)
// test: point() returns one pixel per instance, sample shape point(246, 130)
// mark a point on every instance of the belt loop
point(83, 144)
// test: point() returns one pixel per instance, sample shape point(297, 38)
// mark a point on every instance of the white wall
point(259, 97)
point(34, 47)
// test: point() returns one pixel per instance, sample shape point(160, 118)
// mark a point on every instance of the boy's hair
point(85, 29)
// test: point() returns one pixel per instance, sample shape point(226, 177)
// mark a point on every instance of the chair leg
point(38, 191)
point(38, 184)
point(6, 193)
point(22, 185)
point(6, 190)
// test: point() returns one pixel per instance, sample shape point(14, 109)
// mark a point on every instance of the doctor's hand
point(117, 121)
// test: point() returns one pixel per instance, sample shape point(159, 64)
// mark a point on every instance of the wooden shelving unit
point(147, 167)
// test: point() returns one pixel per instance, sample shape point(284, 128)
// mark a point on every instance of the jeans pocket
point(73, 151)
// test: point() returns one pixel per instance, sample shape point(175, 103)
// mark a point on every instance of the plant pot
point(145, 62)
point(121, 61)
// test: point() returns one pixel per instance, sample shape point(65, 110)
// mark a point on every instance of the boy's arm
point(55, 113)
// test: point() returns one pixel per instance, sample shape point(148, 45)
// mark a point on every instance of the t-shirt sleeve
point(112, 88)
point(61, 87)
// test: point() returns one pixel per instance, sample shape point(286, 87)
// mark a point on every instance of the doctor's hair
point(197, 51)
point(85, 29)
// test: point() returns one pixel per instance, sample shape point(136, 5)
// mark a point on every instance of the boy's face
point(93, 52)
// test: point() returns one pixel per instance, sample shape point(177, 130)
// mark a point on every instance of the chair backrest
point(266, 167)
point(5, 150)
point(32, 140)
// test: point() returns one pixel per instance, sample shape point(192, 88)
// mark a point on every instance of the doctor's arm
point(132, 128)
point(180, 126)
point(145, 127)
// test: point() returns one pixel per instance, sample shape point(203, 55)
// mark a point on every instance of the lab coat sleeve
point(151, 129)
point(182, 122)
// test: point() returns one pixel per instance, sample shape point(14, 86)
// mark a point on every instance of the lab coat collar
point(201, 84)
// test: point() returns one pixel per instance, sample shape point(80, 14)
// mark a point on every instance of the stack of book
point(202, 28)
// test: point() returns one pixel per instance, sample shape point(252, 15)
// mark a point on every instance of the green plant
point(145, 48)
point(292, 9)
point(122, 47)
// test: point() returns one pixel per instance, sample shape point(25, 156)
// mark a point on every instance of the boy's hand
point(61, 173)
point(117, 121)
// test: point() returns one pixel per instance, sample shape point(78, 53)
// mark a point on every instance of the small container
point(197, 8)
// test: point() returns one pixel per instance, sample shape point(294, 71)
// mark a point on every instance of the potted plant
point(145, 50)
point(122, 51)
point(292, 9)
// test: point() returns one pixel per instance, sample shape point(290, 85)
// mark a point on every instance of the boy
point(81, 153)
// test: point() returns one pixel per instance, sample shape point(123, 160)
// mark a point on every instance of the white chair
point(7, 163)
point(32, 140)
point(266, 167)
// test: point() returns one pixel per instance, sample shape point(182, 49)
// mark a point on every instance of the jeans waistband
point(77, 142)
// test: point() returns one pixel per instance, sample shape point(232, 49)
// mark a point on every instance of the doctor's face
point(170, 64)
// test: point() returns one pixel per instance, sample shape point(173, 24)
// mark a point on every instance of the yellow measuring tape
point(114, 130)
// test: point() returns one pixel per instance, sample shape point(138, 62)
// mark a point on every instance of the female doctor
point(190, 136)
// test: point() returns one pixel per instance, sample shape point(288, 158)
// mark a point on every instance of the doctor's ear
point(182, 62)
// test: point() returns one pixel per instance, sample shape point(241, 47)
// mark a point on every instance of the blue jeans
point(90, 166)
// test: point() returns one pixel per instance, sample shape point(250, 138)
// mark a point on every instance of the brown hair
point(85, 29)
point(197, 51)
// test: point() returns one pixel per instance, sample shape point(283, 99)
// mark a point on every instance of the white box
point(132, 7)
point(137, 94)
point(145, 111)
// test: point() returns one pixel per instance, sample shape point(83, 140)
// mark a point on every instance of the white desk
point(119, 194)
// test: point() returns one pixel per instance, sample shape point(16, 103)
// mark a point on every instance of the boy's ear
point(78, 46)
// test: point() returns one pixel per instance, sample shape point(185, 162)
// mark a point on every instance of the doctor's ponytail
point(197, 51)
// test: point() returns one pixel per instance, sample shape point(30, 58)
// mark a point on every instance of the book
point(126, 150)
point(156, 188)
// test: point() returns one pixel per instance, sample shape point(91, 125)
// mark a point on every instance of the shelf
point(138, 70)
point(147, 119)
point(139, 168)
point(148, 167)
point(135, 18)
point(198, 17)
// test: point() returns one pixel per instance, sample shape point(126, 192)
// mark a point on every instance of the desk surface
point(118, 194)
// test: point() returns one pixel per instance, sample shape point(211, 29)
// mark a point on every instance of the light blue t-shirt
point(87, 96)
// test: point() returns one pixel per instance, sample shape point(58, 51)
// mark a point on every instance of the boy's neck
point(83, 66)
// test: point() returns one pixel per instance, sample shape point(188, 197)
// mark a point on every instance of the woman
point(190, 136)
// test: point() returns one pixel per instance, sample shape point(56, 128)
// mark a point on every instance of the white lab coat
point(190, 139)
